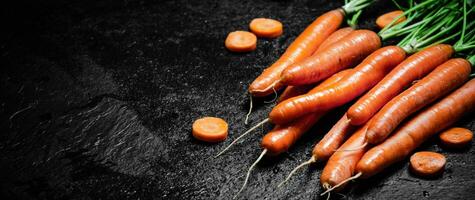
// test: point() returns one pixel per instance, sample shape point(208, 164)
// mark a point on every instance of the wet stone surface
point(98, 98)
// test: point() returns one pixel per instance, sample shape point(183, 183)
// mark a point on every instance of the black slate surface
point(98, 98)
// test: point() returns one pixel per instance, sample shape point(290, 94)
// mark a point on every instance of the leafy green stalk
point(416, 15)
point(353, 6)
point(439, 27)
point(353, 21)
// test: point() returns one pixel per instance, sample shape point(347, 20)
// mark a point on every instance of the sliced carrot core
point(266, 28)
point(210, 129)
point(241, 41)
point(456, 137)
point(426, 163)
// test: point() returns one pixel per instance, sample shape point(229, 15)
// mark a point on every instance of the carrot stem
point(471, 59)
point(412, 10)
point(398, 6)
point(440, 26)
point(353, 21)
point(356, 5)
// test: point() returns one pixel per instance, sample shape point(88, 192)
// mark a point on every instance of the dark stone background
point(98, 97)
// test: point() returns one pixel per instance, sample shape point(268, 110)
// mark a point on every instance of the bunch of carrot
point(382, 76)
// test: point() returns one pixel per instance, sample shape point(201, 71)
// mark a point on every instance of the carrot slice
point(210, 129)
point(266, 28)
point(456, 137)
point(426, 163)
point(241, 41)
point(387, 18)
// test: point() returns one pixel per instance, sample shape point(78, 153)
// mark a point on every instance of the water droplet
point(425, 194)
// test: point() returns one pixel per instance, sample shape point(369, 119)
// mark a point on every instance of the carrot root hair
point(249, 172)
point(275, 96)
point(343, 182)
point(326, 186)
point(250, 110)
point(241, 136)
point(268, 87)
point(355, 149)
point(313, 159)
point(348, 120)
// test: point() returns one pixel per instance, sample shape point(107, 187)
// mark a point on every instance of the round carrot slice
point(266, 28)
point(387, 18)
point(426, 163)
point(241, 41)
point(456, 137)
point(210, 129)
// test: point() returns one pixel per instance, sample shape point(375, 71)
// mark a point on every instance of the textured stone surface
point(98, 98)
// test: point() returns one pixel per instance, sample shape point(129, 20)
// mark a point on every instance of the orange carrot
point(210, 129)
point(241, 41)
point(411, 69)
point(281, 138)
point(333, 139)
point(303, 46)
point(408, 137)
point(445, 78)
point(292, 91)
point(266, 28)
point(342, 164)
point(327, 145)
point(456, 137)
point(385, 19)
point(427, 164)
point(420, 128)
point(349, 51)
point(365, 75)
point(333, 38)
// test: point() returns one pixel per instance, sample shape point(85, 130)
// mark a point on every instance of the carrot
point(241, 41)
point(413, 68)
point(420, 128)
point(327, 145)
point(327, 83)
point(266, 28)
point(385, 19)
point(333, 38)
point(281, 138)
point(445, 78)
point(303, 46)
point(350, 50)
point(210, 129)
point(333, 139)
point(408, 137)
point(342, 163)
point(367, 74)
point(427, 164)
point(456, 137)
point(292, 91)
